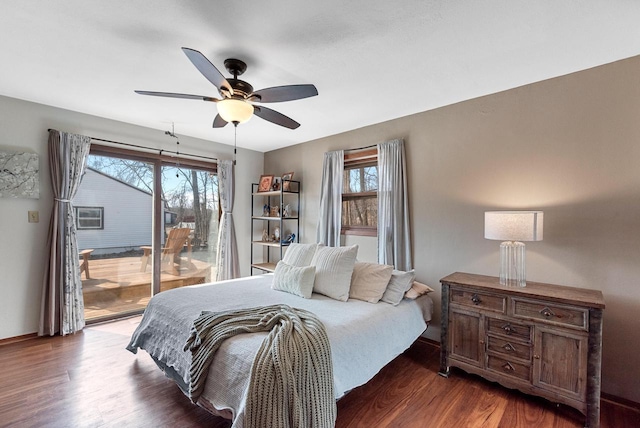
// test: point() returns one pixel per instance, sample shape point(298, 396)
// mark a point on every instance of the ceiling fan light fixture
point(233, 110)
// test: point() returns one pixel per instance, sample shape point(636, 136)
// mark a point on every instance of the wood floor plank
point(91, 380)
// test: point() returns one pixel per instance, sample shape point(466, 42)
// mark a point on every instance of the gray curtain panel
point(394, 239)
point(330, 215)
point(227, 264)
point(62, 308)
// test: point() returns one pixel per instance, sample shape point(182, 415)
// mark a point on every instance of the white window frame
point(79, 218)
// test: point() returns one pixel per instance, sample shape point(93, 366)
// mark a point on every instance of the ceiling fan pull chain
point(235, 141)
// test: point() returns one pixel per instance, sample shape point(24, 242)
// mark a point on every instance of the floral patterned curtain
point(227, 264)
point(62, 307)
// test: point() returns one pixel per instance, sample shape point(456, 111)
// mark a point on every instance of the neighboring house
point(111, 215)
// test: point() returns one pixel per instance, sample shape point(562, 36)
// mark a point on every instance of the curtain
point(62, 308)
point(227, 264)
point(394, 240)
point(330, 215)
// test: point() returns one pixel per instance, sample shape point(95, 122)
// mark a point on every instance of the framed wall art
point(19, 175)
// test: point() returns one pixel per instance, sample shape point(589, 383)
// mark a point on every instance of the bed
point(364, 337)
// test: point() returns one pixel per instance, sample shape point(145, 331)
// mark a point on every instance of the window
point(89, 218)
point(360, 194)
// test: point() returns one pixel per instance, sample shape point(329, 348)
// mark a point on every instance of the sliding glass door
point(144, 225)
point(190, 226)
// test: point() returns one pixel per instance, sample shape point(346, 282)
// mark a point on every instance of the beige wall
point(23, 127)
point(569, 146)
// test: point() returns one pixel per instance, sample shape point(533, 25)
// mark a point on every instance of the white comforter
point(364, 337)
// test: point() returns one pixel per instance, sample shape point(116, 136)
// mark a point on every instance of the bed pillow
point(293, 279)
point(299, 254)
point(369, 281)
point(334, 266)
point(399, 284)
point(417, 290)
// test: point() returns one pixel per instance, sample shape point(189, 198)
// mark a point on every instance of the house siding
point(127, 214)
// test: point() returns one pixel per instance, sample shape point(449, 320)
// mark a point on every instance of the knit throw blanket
point(291, 381)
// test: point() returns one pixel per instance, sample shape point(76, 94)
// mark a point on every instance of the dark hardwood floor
point(90, 380)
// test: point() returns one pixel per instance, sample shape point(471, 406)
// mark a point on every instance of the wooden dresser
point(542, 339)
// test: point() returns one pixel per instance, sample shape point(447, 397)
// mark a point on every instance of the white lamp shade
point(232, 110)
point(513, 225)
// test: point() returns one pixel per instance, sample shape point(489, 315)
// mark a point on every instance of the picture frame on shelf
point(286, 181)
point(265, 183)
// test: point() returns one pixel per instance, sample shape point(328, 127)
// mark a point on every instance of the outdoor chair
point(174, 244)
point(84, 262)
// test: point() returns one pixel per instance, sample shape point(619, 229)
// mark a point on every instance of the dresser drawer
point(479, 300)
point(568, 316)
point(509, 348)
point(509, 328)
point(509, 368)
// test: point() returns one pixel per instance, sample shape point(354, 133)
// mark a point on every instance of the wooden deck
point(117, 286)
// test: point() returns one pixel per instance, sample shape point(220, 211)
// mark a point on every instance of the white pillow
point(369, 281)
point(334, 266)
point(417, 290)
point(299, 254)
point(399, 284)
point(293, 279)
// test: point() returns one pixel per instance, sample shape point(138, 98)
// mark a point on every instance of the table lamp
point(513, 227)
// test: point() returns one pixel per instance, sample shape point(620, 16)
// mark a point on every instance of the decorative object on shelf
point(275, 211)
point(266, 181)
point(289, 239)
point(266, 210)
point(286, 211)
point(276, 185)
point(513, 227)
point(265, 235)
point(286, 181)
point(276, 234)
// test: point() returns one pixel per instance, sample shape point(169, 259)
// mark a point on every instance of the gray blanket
point(291, 380)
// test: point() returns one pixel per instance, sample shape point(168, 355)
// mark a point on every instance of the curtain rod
point(361, 148)
point(161, 151)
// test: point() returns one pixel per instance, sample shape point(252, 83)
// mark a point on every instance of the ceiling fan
point(238, 97)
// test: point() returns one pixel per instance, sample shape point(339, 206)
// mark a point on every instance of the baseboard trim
point(16, 339)
point(619, 401)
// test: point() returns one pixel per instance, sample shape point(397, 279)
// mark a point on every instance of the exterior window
point(89, 218)
point(360, 199)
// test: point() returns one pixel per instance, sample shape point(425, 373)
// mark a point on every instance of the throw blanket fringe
point(291, 382)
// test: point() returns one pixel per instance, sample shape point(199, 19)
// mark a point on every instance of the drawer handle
point(508, 329)
point(475, 299)
point(548, 313)
point(508, 347)
point(508, 367)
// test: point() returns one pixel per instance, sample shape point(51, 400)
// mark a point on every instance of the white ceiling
point(371, 60)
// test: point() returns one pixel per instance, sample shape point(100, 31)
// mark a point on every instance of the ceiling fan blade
point(208, 70)
point(172, 95)
point(284, 93)
point(219, 122)
point(275, 117)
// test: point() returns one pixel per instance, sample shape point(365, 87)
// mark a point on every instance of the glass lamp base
point(512, 264)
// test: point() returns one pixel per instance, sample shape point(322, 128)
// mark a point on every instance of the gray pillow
point(293, 279)
point(399, 284)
